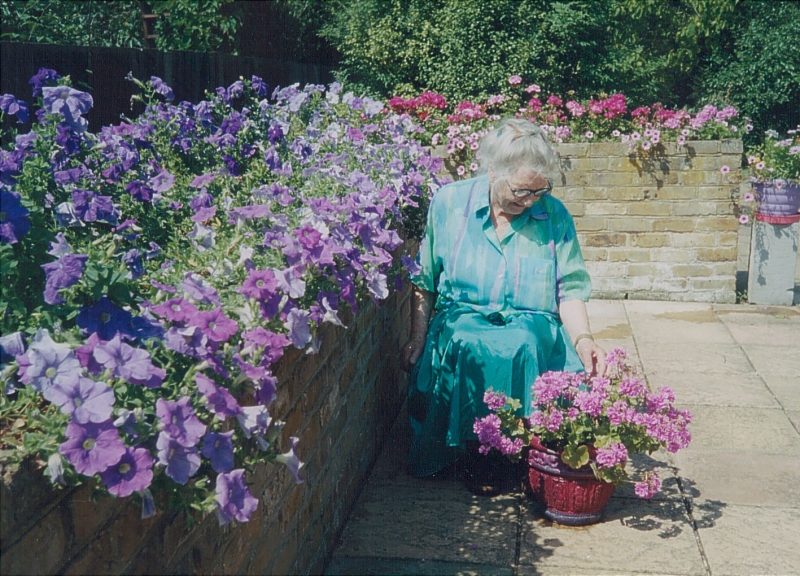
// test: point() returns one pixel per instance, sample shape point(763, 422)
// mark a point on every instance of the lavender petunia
point(199, 290)
point(179, 422)
point(161, 87)
point(61, 274)
point(234, 501)
point(11, 106)
point(92, 448)
point(43, 77)
point(254, 420)
point(133, 473)
point(181, 462)
point(91, 207)
point(215, 325)
point(297, 323)
point(49, 362)
point(220, 401)
point(68, 102)
point(84, 399)
point(14, 221)
point(131, 364)
point(161, 182)
point(291, 461)
point(218, 448)
point(176, 310)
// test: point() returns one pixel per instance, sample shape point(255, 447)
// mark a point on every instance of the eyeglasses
point(525, 192)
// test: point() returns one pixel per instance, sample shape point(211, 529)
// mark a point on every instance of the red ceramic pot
point(567, 496)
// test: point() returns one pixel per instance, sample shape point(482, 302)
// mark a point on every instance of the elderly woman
point(499, 298)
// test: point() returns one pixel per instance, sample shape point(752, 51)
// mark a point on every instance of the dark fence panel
point(102, 71)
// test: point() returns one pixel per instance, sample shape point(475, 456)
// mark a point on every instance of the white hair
point(517, 143)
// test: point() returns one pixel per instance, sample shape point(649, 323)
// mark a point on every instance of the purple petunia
point(161, 182)
point(218, 448)
point(199, 290)
point(131, 364)
point(215, 325)
point(10, 105)
point(234, 501)
point(297, 323)
point(219, 400)
point(49, 362)
point(291, 461)
point(92, 448)
point(44, 77)
point(14, 221)
point(181, 461)
point(84, 399)
point(179, 422)
point(260, 284)
point(133, 473)
point(107, 319)
point(61, 274)
point(176, 310)
point(91, 207)
point(160, 87)
point(68, 102)
point(140, 191)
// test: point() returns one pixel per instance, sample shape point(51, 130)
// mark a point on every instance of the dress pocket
point(534, 286)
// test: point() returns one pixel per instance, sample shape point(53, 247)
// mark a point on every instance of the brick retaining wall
point(341, 402)
point(665, 231)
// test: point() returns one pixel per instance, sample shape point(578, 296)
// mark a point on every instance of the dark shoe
point(482, 476)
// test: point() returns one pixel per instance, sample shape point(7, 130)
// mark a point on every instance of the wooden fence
point(102, 71)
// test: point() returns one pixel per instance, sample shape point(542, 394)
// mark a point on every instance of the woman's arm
point(421, 305)
point(576, 321)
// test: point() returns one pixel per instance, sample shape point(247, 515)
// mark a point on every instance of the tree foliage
point(678, 52)
point(206, 25)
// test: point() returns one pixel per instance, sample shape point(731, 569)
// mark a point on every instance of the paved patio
point(730, 504)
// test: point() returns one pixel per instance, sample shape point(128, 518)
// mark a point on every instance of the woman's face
point(502, 190)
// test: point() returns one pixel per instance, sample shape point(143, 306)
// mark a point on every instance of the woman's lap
point(465, 356)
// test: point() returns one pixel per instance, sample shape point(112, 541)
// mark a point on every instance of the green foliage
point(680, 53)
point(86, 23)
point(757, 68)
point(206, 25)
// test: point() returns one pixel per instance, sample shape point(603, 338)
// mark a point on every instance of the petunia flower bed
point(565, 118)
point(154, 273)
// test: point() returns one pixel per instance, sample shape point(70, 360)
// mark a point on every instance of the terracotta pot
point(567, 496)
point(778, 201)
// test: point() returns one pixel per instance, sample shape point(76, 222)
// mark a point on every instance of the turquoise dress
point(495, 322)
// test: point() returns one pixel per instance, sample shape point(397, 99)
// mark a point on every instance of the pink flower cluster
point(419, 106)
point(490, 435)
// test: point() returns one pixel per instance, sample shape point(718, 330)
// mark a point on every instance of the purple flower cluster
point(188, 248)
point(616, 412)
point(490, 435)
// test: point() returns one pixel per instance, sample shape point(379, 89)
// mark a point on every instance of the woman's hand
point(593, 356)
point(411, 353)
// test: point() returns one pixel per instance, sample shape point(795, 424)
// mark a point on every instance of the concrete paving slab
point(693, 325)
point(740, 478)
point(692, 358)
point(731, 429)
point(753, 540)
point(606, 308)
point(636, 537)
point(716, 389)
point(436, 524)
point(785, 389)
point(569, 571)
point(760, 325)
point(345, 566)
point(776, 358)
point(794, 416)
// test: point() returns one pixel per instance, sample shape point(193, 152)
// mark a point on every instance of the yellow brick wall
point(664, 230)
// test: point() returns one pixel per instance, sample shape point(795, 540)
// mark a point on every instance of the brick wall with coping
point(662, 231)
point(341, 402)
